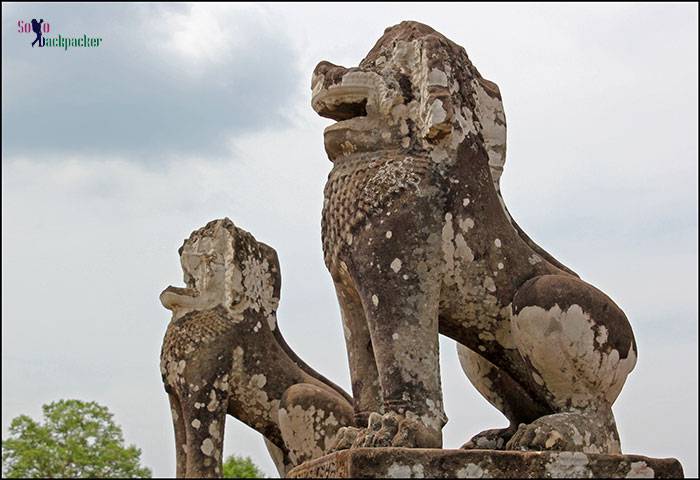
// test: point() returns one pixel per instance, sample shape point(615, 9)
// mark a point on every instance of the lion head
point(224, 265)
point(415, 90)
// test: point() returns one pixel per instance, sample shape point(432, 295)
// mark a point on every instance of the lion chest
point(358, 189)
point(186, 336)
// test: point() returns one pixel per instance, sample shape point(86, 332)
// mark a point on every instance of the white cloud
point(168, 80)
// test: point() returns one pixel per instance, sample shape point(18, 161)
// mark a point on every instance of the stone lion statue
point(418, 242)
point(223, 353)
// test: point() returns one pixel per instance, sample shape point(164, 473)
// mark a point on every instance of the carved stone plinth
point(436, 463)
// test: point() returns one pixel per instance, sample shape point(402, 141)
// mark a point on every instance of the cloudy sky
point(111, 156)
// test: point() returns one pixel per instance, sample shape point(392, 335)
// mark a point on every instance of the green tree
point(77, 439)
point(240, 467)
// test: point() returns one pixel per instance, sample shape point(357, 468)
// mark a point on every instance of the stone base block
point(436, 463)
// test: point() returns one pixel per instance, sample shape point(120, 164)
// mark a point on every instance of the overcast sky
point(111, 156)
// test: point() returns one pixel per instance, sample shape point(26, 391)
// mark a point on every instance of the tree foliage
point(77, 439)
point(240, 467)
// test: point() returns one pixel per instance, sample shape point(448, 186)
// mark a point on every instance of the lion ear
point(492, 120)
point(437, 107)
point(270, 254)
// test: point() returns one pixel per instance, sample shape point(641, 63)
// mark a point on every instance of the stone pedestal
point(436, 463)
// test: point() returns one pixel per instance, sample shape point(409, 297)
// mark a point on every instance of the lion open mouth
point(341, 103)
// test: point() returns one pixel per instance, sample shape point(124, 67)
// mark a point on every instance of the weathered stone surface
point(434, 463)
point(418, 242)
point(223, 354)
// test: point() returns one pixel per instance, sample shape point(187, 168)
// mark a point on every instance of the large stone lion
point(418, 241)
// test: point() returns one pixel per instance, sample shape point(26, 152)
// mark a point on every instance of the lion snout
point(172, 297)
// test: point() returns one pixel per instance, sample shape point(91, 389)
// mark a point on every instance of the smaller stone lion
point(223, 354)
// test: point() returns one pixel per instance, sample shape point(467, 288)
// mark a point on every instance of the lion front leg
point(180, 435)
point(367, 397)
point(398, 275)
point(403, 323)
point(204, 415)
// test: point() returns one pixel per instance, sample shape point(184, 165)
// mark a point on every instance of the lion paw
point(344, 438)
point(575, 432)
point(493, 439)
point(538, 437)
point(388, 430)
